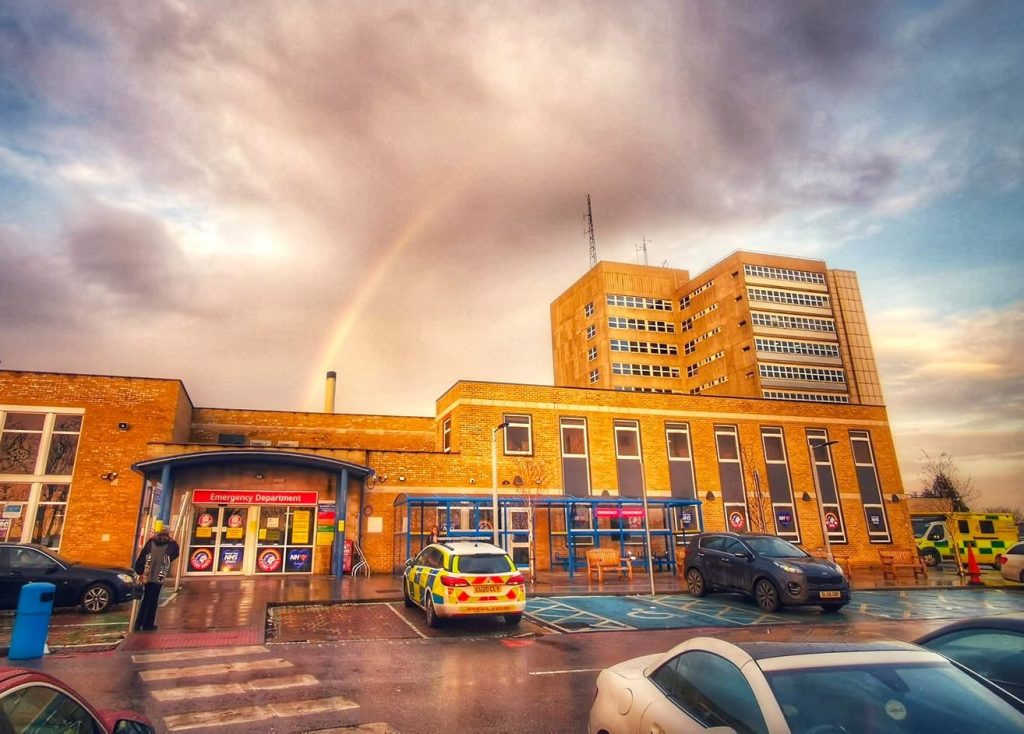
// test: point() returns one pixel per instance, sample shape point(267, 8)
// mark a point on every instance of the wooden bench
point(896, 560)
point(600, 560)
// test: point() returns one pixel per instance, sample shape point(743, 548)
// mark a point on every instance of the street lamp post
point(494, 478)
point(817, 495)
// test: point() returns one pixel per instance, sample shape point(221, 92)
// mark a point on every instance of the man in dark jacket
point(153, 565)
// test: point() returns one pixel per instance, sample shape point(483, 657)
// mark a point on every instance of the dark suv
point(773, 571)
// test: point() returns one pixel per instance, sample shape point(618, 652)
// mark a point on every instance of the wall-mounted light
point(382, 478)
point(806, 497)
point(122, 426)
point(109, 476)
point(518, 481)
point(709, 496)
point(259, 475)
point(401, 478)
point(472, 480)
point(895, 498)
point(504, 482)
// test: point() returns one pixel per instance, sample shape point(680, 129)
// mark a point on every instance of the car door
point(413, 574)
point(739, 569)
point(711, 562)
point(29, 565)
point(9, 587)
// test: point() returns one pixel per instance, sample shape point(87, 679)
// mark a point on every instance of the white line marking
point(566, 672)
point(220, 689)
point(219, 669)
point(244, 714)
point(411, 625)
point(218, 652)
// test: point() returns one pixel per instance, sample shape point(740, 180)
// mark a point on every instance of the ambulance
point(988, 534)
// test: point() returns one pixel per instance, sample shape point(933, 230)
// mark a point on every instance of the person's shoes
point(148, 629)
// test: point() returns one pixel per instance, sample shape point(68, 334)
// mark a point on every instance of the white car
point(808, 684)
point(1011, 563)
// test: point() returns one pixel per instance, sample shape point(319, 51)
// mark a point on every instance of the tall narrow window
point(628, 458)
point(50, 513)
point(595, 375)
point(779, 486)
point(870, 491)
point(825, 483)
point(518, 434)
point(575, 457)
point(730, 474)
point(680, 470)
point(592, 354)
point(591, 331)
point(446, 434)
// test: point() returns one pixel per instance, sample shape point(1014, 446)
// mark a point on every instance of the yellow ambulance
point(988, 534)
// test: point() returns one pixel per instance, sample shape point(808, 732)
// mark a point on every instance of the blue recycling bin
point(32, 621)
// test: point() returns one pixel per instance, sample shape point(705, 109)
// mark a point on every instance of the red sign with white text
point(254, 497)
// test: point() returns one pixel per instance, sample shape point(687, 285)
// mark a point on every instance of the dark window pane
point(18, 452)
point(62, 453)
point(861, 452)
point(69, 423)
point(626, 443)
point(726, 446)
point(773, 448)
point(24, 421)
point(678, 445)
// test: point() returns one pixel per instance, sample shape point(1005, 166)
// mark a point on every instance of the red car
point(34, 701)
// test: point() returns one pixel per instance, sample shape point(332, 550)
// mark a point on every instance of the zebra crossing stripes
point(261, 712)
point(222, 689)
point(213, 669)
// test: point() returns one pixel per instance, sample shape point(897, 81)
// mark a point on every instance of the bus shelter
point(562, 527)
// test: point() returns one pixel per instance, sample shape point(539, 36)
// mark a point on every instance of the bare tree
point(940, 477)
point(1018, 513)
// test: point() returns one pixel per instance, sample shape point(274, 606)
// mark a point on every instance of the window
point(591, 331)
point(791, 346)
point(628, 458)
point(806, 374)
point(41, 708)
point(680, 466)
point(625, 345)
point(712, 690)
point(987, 527)
point(780, 488)
point(825, 484)
point(20, 443)
point(50, 514)
point(588, 310)
point(618, 322)
point(730, 476)
point(870, 490)
point(446, 434)
point(685, 301)
point(656, 304)
point(804, 323)
point(595, 375)
point(575, 459)
point(800, 276)
point(789, 298)
point(592, 354)
point(805, 396)
point(644, 370)
point(518, 434)
point(691, 346)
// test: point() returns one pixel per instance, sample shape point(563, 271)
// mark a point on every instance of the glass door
point(517, 535)
point(272, 530)
point(217, 539)
point(231, 553)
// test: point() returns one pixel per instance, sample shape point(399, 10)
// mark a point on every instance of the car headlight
point(125, 578)
point(788, 567)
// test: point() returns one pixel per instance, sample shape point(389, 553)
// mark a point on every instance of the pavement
point(235, 611)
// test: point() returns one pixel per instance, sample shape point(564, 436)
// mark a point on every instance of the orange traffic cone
point(973, 568)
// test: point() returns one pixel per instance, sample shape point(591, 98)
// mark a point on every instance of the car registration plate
point(487, 589)
point(830, 594)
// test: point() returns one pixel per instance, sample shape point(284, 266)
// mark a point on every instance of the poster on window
point(269, 560)
point(299, 560)
point(231, 559)
point(200, 560)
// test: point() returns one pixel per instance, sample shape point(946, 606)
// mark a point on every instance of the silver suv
point(771, 570)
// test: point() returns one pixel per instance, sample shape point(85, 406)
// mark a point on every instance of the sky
point(245, 195)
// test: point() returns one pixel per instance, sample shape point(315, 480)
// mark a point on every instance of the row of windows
point(710, 383)
point(801, 276)
point(644, 370)
point(617, 322)
point(633, 388)
point(805, 323)
point(809, 397)
point(624, 345)
point(691, 346)
point(688, 323)
point(692, 369)
point(790, 372)
point(792, 298)
point(685, 301)
point(790, 346)
point(657, 304)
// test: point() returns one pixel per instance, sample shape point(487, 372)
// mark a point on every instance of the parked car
point(992, 647)
point(1011, 563)
point(93, 588)
point(771, 570)
point(32, 701)
point(755, 684)
point(463, 579)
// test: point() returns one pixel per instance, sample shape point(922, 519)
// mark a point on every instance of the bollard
point(31, 621)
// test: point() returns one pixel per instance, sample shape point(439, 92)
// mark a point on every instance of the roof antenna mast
point(590, 234)
point(641, 252)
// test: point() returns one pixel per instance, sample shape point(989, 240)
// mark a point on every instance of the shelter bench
point(600, 560)
point(894, 561)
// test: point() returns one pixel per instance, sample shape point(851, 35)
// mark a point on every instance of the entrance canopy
point(262, 456)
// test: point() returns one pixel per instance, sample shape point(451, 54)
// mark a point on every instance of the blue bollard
point(31, 621)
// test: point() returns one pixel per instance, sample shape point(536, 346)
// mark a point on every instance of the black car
point(990, 646)
point(773, 571)
point(93, 588)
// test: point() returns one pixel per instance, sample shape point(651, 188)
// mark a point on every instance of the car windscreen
point(774, 548)
point(890, 699)
point(494, 563)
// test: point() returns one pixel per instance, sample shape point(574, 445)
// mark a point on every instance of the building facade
point(753, 325)
point(87, 461)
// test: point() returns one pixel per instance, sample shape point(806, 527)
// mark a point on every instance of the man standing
point(153, 565)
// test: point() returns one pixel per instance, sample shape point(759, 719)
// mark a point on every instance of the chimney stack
point(332, 378)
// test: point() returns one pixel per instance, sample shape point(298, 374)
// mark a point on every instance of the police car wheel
point(428, 607)
point(513, 620)
point(405, 594)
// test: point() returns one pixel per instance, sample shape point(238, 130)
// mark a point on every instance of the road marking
point(219, 669)
point(377, 727)
point(411, 625)
point(244, 714)
point(217, 652)
point(220, 689)
point(565, 672)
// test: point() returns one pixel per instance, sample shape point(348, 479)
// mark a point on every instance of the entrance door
point(517, 537)
point(217, 540)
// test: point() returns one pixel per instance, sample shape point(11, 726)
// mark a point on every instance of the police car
point(464, 579)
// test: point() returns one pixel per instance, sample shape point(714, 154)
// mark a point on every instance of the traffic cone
point(973, 569)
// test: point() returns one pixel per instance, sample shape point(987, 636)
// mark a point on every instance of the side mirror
point(129, 726)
